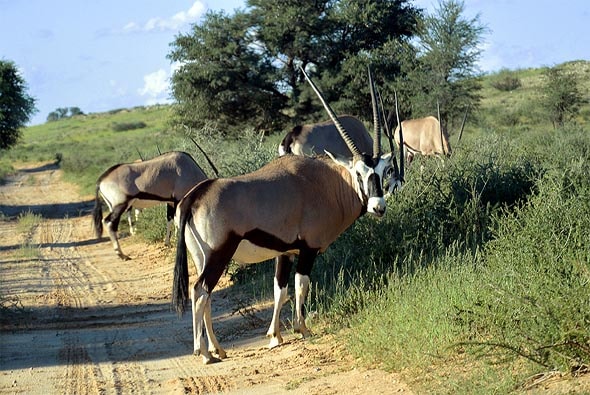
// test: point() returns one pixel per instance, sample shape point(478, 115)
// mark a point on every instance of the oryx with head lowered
point(294, 205)
point(163, 179)
point(425, 136)
point(318, 138)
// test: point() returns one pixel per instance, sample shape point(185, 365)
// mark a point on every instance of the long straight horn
point(442, 144)
point(376, 119)
point(401, 141)
point(206, 157)
point(386, 122)
point(463, 123)
point(140, 155)
point(349, 142)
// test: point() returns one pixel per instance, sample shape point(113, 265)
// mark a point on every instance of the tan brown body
point(315, 139)
point(163, 179)
point(295, 205)
point(423, 136)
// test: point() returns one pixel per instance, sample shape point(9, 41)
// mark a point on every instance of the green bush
point(508, 279)
point(151, 224)
point(533, 300)
point(124, 126)
point(506, 80)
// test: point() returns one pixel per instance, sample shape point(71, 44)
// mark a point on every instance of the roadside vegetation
point(478, 277)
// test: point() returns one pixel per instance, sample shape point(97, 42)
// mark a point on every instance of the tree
point(222, 77)
point(16, 106)
point(562, 98)
point(245, 67)
point(63, 112)
point(445, 69)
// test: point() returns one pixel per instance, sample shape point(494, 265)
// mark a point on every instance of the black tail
point(180, 284)
point(97, 215)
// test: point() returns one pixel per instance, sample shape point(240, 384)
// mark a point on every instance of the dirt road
point(75, 319)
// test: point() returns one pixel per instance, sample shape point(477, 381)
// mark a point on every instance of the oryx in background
point(134, 211)
point(315, 139)
point(318, 138)
point(294, 205)
point(163, 179)
point(425, 136)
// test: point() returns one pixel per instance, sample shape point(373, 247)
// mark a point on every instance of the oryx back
point(315, 139)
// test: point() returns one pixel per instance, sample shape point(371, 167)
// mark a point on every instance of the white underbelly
point(251, 253)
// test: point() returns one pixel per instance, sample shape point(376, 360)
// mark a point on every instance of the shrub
point(124, 126)
point(506, 80)
point(533, 297)
point(563, 98)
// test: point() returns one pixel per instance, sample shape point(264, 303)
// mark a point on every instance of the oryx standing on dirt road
point(294, 205)
point(163, 179)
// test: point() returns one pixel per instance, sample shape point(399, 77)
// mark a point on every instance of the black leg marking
point(283, 269)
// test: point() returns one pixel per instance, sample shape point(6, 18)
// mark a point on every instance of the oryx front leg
point(304, 265)
point(201, 302)
point(282, 271)
point(301, 291)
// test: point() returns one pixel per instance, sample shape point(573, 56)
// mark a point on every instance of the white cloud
point(154, 83)
point(173, 23)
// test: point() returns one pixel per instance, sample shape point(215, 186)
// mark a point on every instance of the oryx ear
point(341, 160)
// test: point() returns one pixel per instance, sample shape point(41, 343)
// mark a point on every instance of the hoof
point(305, 333)
point(220, 353)
point(275, 341)
point(124, 257)
point(209, 360)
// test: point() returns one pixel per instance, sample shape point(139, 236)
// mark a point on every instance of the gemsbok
point(133, 212)
point(294, 205)
point(318, 138)
point(163, 179)
point(426, 136)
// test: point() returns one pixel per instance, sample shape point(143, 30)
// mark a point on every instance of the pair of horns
point(345, 136)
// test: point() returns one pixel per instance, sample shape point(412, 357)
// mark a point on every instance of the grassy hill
point(478, 276)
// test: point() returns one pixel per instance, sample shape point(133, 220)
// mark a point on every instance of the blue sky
point(109, 54)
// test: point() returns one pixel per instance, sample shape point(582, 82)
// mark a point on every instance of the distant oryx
point(317, 138)
point(165, 178)
point(425, 136)
point(294, 205)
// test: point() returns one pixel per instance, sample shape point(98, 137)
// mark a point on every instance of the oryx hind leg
point(201, 307)
point(302, 280)
point(214, 346)
point(111, 223)
point(199, 301)
point(281, 281)
point(210, 266)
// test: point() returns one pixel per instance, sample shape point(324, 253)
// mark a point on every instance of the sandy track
point(88, 323)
